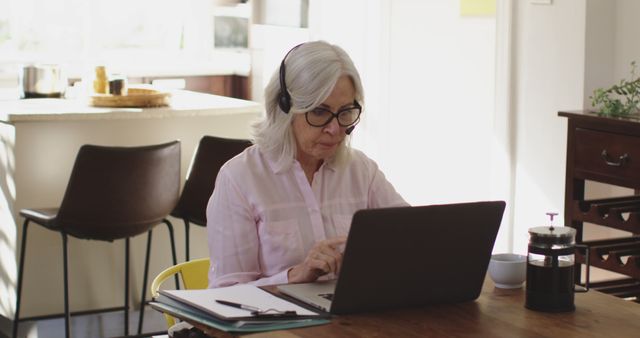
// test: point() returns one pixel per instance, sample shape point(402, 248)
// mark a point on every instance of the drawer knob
point(621, 160)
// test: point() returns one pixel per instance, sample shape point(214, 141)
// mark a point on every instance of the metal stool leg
point(16, 317)
point(143, 301)
point(126, 286)
point(186, 237)
point(173, 248)
point(67, 315)
point(144, 282)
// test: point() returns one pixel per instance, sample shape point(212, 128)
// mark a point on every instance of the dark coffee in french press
point(550, 268)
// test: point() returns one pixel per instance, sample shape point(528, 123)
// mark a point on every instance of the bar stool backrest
point(212, 153)
point(119, 192)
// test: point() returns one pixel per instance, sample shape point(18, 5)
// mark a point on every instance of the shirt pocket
point(281, 243)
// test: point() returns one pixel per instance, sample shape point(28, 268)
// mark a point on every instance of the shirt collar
point(283, 166)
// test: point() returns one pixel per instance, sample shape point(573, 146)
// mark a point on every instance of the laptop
point(407, 257)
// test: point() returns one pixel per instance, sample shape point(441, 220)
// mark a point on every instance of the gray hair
point(311, 71)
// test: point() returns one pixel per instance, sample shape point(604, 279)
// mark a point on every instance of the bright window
point(68, 30)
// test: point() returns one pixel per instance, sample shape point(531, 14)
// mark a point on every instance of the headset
point(284, 98)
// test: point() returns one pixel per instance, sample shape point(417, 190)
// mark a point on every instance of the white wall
point(549, 76)
point(626, 48)
point(441, 90)
point(599, 46)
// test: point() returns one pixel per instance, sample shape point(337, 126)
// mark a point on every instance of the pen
point(238, 305)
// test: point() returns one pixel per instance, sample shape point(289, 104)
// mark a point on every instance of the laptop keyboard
point(328, 296)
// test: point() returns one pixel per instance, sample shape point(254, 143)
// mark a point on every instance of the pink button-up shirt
point(261, 220)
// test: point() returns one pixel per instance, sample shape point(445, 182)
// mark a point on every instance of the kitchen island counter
point(40, 140)
point(183, 104)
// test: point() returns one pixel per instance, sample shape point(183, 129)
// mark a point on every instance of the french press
point(550, 268)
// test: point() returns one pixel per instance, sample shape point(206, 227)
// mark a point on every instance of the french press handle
point(586, 281)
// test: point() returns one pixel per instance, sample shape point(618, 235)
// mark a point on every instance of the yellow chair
point(194, 275)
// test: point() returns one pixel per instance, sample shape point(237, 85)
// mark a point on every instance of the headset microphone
point(349, 130)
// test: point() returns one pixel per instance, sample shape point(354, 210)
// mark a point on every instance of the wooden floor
point(95, 326)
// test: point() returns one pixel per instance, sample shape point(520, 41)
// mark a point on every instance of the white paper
point(241, 293)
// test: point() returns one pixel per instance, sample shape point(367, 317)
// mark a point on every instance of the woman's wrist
point(297, 275)
point(291, 274)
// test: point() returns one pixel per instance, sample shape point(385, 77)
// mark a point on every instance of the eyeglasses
point(320, 117)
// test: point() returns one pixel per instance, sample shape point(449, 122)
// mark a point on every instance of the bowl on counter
point(42, 81)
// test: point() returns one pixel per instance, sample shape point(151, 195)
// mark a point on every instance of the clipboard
point(240, 326)
point(205, 300)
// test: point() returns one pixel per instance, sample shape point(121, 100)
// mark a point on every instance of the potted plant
point(619, 100)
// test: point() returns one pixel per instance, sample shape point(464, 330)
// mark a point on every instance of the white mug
point(508, 270)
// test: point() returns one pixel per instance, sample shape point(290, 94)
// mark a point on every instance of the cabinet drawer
point(607, 154)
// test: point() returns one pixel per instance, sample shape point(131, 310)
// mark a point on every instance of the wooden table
point(496, 313)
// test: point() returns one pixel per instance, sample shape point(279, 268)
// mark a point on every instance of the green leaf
point(618, 100)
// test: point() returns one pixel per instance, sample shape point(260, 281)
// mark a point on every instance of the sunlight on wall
point(441, 92)
point(535, 199)
point(501, 189)
point(545, 83)
point(8, 246)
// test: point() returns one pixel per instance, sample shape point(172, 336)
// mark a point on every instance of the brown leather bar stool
point(211, 154)
point(113, 193)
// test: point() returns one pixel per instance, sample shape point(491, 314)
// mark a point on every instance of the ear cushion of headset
point(284, 103)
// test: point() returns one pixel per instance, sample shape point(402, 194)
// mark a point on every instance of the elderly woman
point(281, 210)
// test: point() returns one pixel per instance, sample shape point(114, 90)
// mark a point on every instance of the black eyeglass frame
point(336, 115)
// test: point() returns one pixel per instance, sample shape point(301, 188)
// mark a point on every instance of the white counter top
point(183, 104)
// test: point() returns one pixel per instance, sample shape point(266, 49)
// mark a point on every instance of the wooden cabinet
point(226, 85)
point(605, 150)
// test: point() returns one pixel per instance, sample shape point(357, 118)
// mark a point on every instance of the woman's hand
point(323, 258)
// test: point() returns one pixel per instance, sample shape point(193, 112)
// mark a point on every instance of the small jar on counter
point(101, 83)
point(118, 85)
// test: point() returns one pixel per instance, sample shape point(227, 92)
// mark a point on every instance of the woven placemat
point(135, 98)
